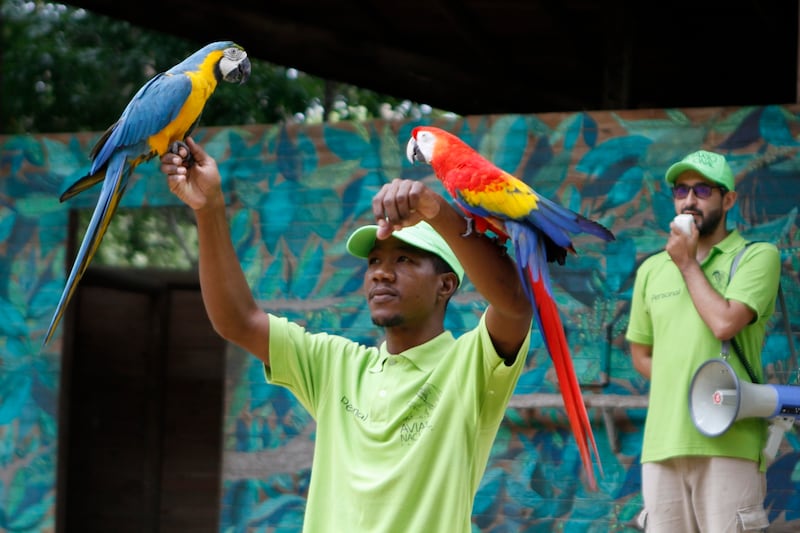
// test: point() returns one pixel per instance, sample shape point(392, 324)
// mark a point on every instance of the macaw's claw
point(468, 232)
point(175, 148)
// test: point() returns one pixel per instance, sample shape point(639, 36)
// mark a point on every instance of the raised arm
point(228, 299)
point(405, 202)
point(725, 318)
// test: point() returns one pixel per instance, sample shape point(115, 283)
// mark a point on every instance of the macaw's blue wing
point(153, 108)
point(558, 222)
point(553, 222)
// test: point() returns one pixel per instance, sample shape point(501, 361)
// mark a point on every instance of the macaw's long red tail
point(549, 322)
point(533, 269)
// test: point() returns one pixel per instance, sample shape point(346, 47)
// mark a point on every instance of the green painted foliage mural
point(296, 192)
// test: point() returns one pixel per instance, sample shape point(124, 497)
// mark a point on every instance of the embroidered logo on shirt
point(419, 414)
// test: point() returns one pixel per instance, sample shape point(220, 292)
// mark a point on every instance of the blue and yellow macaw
point(539, 232)
point(158, 118)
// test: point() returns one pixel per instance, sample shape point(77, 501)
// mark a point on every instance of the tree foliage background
point(65, 69)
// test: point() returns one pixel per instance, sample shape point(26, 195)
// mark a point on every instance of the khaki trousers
point(703, 495)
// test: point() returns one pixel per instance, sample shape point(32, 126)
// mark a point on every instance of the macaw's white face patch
point(234, 65)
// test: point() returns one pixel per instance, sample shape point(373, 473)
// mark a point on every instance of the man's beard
point(709, 223)
point(388, 322)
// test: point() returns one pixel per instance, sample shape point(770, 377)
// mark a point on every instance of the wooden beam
point(605, 402)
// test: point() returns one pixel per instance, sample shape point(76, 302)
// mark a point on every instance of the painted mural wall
point(296, 192)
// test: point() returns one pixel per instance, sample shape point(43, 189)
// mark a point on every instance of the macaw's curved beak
point(413, 153)
point(241, 73)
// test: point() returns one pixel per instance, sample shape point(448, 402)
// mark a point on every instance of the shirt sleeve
point(755, 281)
point(502, 378)
point(290, 365)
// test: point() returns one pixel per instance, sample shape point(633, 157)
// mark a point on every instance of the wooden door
point(141, 407)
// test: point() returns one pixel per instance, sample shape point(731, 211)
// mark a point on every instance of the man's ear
point(729, 200)
point(448, 283)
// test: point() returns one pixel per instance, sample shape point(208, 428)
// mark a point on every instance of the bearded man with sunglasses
point(683, 308)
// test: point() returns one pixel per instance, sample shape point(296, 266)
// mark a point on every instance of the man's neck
point(402, 338)
point(707, 242)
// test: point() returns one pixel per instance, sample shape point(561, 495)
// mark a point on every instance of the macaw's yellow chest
point(203, 87)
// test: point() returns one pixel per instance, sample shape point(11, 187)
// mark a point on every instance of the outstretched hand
point(193, 176)
point(403, 203)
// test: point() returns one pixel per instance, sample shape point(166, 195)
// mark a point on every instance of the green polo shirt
point(402, 440)
point(664, 317)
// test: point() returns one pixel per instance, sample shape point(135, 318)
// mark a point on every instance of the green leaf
point(7, 219)
point(309, 267)
point(332, 175)
point(36, 205)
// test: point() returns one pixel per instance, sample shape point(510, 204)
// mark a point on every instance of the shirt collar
point(425, 356)
point(731, 243)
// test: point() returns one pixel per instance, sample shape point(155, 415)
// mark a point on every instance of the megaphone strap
point(737, 349)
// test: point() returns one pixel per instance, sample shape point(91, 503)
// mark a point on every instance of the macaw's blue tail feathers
point(113, 187)
point(529, 248)
point(530, 255)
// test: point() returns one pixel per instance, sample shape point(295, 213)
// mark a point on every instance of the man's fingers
point(172, 164)
point(395, 206)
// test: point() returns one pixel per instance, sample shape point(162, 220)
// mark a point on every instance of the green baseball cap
point(420, 235)
point(709, 164)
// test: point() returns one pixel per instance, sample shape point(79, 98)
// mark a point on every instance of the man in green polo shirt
point(683, 307)
point(404, 429)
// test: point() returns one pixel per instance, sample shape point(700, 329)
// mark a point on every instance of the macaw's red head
point(433, 146)
point(453, 160)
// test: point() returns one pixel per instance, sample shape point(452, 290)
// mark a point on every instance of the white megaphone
point(717, 398)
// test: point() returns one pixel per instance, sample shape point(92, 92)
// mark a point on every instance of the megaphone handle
point(777, 427)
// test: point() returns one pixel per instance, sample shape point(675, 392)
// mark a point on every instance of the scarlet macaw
point(539, 231)
point(163, 112)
